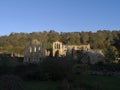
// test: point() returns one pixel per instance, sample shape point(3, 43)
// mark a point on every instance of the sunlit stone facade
point(62, 50)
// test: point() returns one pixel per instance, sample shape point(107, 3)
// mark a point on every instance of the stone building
point(34, 52)
point(62, 50)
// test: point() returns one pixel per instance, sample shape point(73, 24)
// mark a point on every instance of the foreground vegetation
point(59, 74)
point(64, 73)
point(103, 82)
point(42, 85)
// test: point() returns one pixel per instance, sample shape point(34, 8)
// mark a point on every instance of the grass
point(107, 82)
point(41, 85)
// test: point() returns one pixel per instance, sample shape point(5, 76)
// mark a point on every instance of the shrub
point(56, 69)
point(46, 70)
point(11, 82)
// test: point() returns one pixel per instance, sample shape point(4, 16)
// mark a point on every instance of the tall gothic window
point(39, 48)
point(30, 49)
point(34, 49)
point(58, 46)
point(55, 46)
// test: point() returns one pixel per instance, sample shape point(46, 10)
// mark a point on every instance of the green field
point(107, 82)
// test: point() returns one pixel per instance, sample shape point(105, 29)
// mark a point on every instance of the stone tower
point(34, 51)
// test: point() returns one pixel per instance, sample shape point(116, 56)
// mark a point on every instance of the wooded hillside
point(15, 42)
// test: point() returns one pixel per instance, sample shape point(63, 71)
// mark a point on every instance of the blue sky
point(59, 15)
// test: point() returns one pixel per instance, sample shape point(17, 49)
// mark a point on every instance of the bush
point(46, 70)
point(28, 71)
point(56, 69)
point(11, 82)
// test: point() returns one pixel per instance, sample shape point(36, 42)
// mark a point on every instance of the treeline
point(15, 42)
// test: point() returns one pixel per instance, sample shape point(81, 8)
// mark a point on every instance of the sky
point(59, 15)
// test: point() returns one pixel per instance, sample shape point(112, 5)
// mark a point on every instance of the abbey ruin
point(62, 50)
point(35, 52)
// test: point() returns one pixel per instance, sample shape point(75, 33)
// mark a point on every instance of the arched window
point(34, 49)
point(39, 48)
point(58, 46)
point(55, 46)
point(30, 49)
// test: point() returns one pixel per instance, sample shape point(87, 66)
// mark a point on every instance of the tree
point(116, 42)
point(84, 37)
point(110, 53)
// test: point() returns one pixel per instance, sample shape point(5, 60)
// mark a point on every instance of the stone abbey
point(35, 52)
